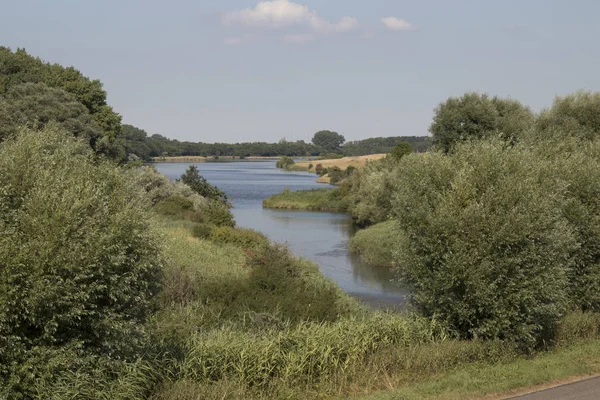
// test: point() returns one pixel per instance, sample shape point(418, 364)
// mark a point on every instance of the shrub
point(202, 231)
point(245, 238)
point(284, 162)
point(80, 260)
point(336, 175)
point(485, 246)
point(375, 245)
point(201, 186)
point(576, 115)
point(477, 116)
point(310, 166)
point(319, 169)
point(400, 150)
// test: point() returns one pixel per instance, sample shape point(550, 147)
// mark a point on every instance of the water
point(319, 236)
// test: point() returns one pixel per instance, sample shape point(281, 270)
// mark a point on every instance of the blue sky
point(244, 70)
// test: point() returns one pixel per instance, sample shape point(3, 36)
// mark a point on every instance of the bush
point(336, 175)
point(202, 231)
point(200, 185)
point(310, 166)
point(245, 238)
point(400, 150)
point(485, 246)
point(80, 260)
point(375, 245)
point(576, 115)
point(319, 169)
point(284, 162)
point(477, 116)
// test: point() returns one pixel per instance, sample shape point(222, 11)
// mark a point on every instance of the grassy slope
point(242, 333)
point(505, 379)
point(314, 200)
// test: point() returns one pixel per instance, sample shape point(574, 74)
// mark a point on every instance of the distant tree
point(328, 140)
point(284, 162)
point(402, 149)
point(476, 116)
point(200, 185)
point(35, 105)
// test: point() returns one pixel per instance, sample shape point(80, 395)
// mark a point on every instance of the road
point(588, 389)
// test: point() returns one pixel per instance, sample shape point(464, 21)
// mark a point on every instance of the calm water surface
point(319, 236)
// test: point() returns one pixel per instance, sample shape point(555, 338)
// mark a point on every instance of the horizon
point(262, 71)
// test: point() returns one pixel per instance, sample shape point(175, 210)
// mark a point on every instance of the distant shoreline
point(201, 159)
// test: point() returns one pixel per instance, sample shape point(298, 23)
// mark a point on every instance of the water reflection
point(319, 236)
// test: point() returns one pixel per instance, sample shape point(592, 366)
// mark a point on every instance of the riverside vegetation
point(117, 283)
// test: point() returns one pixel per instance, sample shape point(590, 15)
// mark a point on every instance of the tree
point(329, 141)
point(80, 261)
point(477, 116)
point(200, 185)
point(402, 149)
point(35, 105)
point(576, 115)
point(484, 243)
point(19, 67)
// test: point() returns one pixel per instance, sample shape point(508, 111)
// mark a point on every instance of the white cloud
point(397, 24)
point(277, 14)
point(299, 39)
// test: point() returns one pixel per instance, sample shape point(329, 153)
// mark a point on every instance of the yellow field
point(343, 163)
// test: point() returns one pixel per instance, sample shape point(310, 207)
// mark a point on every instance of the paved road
point(588, 389)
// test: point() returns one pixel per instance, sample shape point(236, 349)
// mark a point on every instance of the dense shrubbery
point(284, 162)
point(19, 67)
point(376, 244)
point(79, 259)
point(477, 116)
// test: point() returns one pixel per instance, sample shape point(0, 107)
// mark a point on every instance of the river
point(319, 236)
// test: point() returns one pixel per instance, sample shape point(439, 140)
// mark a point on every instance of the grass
point(239, 317)
point(506, 378)
point(374, 244)
point(313, 200)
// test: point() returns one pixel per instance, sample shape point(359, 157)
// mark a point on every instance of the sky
point(249, 70)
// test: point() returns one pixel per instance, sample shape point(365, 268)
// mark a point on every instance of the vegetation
point(284, 162)
point(17, 68)
point(400, 150)
point(329, 141)
point(477, 116)
point(119, 283)
point(375, 245)
point(80, 261)
point(314, 200)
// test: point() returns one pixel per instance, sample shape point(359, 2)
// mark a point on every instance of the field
point(341, 163)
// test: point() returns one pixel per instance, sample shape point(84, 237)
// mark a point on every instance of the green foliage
point(36, 105)
point(328, 141)
point(319, 169)
point(375, 245)
point(19, 67)
point(385, 145)
point(368, 192)
point(484, 243)
point(476, 116)
point(80, 259)
point(245, 238)
point(200, 185)
point(400, 150)
point(202, 231)
point(284, 162)
point(314, 200)
point(576, 115)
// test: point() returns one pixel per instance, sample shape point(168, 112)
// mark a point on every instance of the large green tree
point(19, 67)
point(35, 105)
point(477, 116)
point(330, 141)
